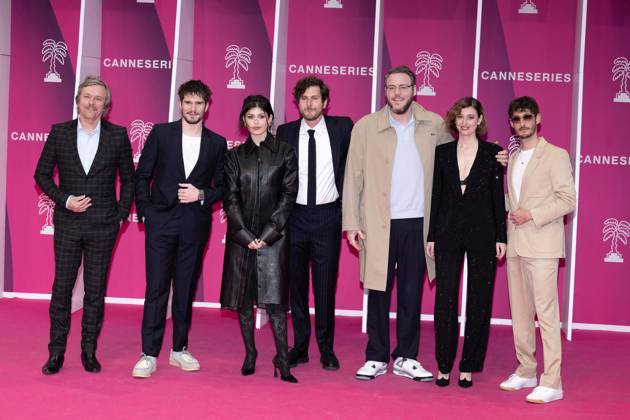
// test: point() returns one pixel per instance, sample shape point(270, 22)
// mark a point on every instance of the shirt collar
point(97, 129)
point(319, 128)
point(394, 123)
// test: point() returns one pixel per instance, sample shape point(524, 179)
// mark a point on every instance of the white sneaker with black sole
point(412, 369)
point(370, 370)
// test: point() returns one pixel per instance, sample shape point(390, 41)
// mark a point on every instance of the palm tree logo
point(333, 4)
point(46, 205)
point(138, 134)
point(616, 231)
point(528, 7)
point(54, 52)
point(237, 58)
point(514, 144)
point(621, 71)
point(428, 64)
point(222, 219)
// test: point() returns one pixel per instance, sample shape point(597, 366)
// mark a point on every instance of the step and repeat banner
point(526, 48)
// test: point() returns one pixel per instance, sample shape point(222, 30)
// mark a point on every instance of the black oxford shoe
point(329, 361)
point(296, 357)
point(90, 363)
point(53, 364)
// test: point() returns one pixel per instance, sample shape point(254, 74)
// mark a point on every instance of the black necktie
point(311, 190)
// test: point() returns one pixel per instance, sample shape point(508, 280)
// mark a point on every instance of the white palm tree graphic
point(46, 205)
point(55, 52)
point(616, 231)
point(138, 134)
point(237, 58)
point(514, 144)
point(528, 7)
point(621, 71)
point(428, 64)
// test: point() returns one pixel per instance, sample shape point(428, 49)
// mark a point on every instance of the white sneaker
point(515, 382)
point(184, 360)
point(543, 394)
point(412, 369)
point(144, 367)
point(371, 370)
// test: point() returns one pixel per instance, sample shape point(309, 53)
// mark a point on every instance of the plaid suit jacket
point(112, 157)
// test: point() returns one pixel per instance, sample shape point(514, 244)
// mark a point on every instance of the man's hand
point(520, 216)
point(502, 157)
point(501, 248)
point(256, 244)
point(353, 238)
point(79, 204)
point(187, 193)
point(431, 250)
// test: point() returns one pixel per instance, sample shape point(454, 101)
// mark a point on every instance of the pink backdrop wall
point(534, 52)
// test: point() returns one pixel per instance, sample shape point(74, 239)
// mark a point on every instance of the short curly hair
point(307, 82)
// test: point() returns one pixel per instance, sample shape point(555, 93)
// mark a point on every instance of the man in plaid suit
point(88, 153)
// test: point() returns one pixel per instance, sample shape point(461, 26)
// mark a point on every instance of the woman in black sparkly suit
point(467, 217)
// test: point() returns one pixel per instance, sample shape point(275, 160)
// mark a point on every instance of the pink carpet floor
point(596, 375)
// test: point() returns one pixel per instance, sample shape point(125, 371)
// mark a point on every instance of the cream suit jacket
point(548, 192)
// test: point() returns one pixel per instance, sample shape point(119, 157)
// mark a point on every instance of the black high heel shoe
point(285, 373)
point(249, 364)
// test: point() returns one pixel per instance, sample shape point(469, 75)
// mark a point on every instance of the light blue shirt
point(406, 199)
point(87, 144)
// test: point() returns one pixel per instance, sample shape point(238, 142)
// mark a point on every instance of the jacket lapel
point(73, 140)
point(294, 136)
point(531, 167)
point(334, 143)
point(103, 143)
point(511, 191)
point(178, 154)
point(204, 148)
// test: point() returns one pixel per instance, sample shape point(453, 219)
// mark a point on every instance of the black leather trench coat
point(261, 185)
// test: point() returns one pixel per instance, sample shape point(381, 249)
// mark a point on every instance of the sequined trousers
point(481, 274)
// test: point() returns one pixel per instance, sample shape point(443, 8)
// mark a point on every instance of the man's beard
point(402, 110)
point(199, 118)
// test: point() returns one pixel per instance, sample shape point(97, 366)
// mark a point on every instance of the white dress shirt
point(325, 175)
point(520, 164)
point(190, 152)
point(87, 144)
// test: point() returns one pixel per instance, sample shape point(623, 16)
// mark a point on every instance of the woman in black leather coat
point(261, 182)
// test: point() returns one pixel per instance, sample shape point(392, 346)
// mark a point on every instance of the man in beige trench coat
point(386, 194)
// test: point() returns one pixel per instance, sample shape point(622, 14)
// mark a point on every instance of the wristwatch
point(201, 196)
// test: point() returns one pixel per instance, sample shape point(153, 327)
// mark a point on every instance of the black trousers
point(93, 243)
point(481, 271)
point(170, 255)
point(406, 262)
point(315, 235)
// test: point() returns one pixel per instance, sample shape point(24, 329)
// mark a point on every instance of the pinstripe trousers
point(315, 238)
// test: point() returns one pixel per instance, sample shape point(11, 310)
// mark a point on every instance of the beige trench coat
point(368, 180)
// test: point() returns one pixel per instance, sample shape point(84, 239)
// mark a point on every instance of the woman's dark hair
point(456, 110)
point(255, 101)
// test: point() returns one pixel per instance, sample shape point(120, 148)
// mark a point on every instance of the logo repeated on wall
point(46, 206)
point(237, 58)
point(427, 65)
point(54, 52)
point(615, 231)
point(528, 8)
point(621, 72)
point(138, 133)
point(222, 219)
point(333, 4)
point(514, 143)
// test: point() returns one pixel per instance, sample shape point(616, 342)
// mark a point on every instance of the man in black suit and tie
point(322, 145)
point(179, 177)
point(88, 153)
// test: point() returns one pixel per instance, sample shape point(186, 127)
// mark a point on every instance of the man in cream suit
point(541, 191)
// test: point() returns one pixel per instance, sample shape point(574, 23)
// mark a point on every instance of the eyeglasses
point(525, 118)
point(402, 88)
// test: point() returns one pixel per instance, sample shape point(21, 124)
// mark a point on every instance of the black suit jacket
point(475, 219)
point(339, 130)
point(161, 170)
point(113, 156)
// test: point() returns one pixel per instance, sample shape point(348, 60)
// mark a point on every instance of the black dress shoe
point(296, 357)
point(90, 363)
point(442, 382)
point(329, 361)
point(53, 364)
point(465, 383)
